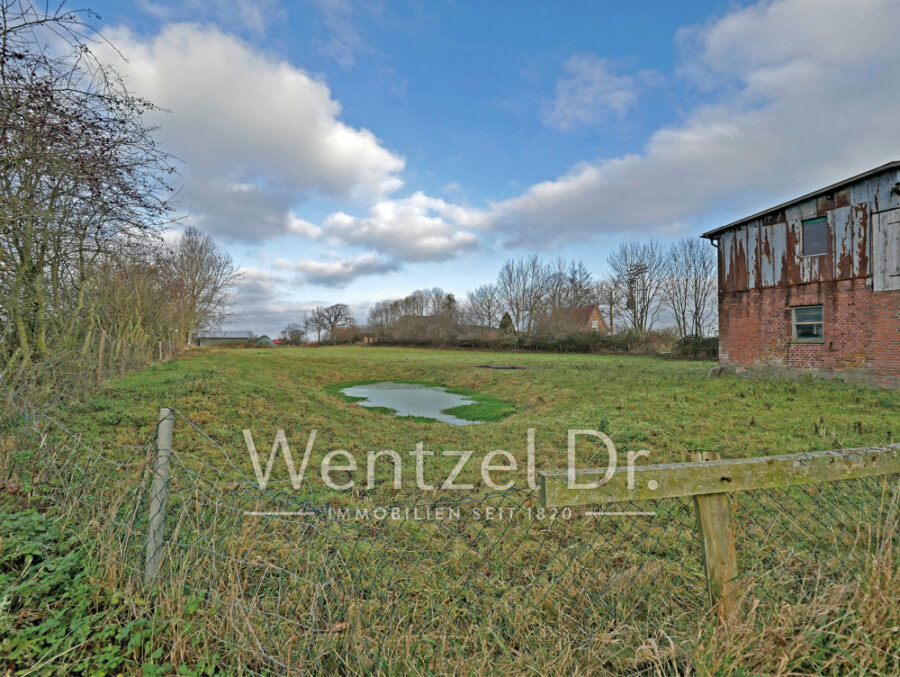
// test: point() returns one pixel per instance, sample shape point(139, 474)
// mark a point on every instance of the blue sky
point(347, 151)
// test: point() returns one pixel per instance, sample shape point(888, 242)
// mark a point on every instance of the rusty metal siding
point(767, 252)
point(886, 254)
point(841, 224)
point(753, 275)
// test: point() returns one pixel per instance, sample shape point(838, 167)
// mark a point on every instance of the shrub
point(696, 348)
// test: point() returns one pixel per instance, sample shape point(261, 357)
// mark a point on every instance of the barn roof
point(578, 314)
point(220, 334)
point(888, 166)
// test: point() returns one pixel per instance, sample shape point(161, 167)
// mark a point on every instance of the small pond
point(411, 399)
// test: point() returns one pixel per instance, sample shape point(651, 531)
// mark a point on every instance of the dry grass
point(843, 629)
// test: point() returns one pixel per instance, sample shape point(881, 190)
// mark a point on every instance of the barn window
point(815, 236)
point(809, 323)
point(595, 325)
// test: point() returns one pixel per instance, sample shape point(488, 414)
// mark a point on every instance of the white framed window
point(595, 325)
point(814, 236)
point(809, 324)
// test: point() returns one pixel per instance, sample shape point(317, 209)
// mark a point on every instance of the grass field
point(668, 407)
point(469, 595)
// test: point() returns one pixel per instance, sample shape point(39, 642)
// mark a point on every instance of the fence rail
point(715, 475)
point(550, 591)
point(710, 479)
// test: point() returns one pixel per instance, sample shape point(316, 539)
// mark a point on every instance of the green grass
point(668, 407)
point(444, 579)
point(54, 618)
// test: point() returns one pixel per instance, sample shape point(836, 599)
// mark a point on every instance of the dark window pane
point(815, 236)
point(808, 322)
point(808, 314)
point(809, 331)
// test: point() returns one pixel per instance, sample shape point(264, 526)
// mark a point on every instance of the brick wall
point(862, 329)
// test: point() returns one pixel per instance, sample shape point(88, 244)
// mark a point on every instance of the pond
point(411, 399)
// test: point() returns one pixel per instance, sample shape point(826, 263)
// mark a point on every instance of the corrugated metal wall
point(766, 252)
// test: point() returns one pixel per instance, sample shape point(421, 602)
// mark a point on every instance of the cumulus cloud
point(805, 100)
point(338, 272)
point(303, 227)
point(256, 133)
point(268, 302)
point(416, 228)
point(589, 93)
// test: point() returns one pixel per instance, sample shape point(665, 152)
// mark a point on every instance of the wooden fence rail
point(710, 480)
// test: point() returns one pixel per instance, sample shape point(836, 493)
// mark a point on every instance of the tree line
point(87, 281)
point(649, 283)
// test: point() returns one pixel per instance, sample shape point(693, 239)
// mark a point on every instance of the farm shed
point(220, 338)
point(812, 286)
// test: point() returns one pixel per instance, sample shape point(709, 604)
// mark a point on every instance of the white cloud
point(338, 272)
point(302, 227)
point(268, 302)
point(806, 99)
point(256, 133)
point(589, 93)
point(416, 228)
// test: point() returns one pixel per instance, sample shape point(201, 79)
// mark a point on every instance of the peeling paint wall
point(767, 252)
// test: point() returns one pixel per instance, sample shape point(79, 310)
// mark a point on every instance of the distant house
point(424, 327)
point(478, 328)
point(221, 338)
point(578, 319)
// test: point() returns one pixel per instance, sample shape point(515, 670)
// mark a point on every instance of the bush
point(696, 348)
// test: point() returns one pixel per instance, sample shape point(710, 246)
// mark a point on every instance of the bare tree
point(205, 277)
point(80, 173)
point(333, 317)
point(689, 286)
point(524, 285)
point(434, 301)
point(641, 268)
point(313, 322)
point(293, 334)
point(610, 295)
point(484, 306)
point(382, 316)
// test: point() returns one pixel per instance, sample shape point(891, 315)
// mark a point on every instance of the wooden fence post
point(159, 494)
point(719, 555)
point(100, 355)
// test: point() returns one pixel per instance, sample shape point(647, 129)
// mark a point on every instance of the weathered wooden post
point(100, 355)
point(710, 480)
point(717, 537)
point(159, 494)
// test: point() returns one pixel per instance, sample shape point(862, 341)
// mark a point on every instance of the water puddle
point(411, 399)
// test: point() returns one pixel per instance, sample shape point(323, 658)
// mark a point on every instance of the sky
point(350, 152)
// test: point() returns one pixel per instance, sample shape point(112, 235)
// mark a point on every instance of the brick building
point(813, 285)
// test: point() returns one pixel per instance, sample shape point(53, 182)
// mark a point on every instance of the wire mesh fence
point(281, 580)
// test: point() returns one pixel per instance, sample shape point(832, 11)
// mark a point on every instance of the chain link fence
point(281, 581)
